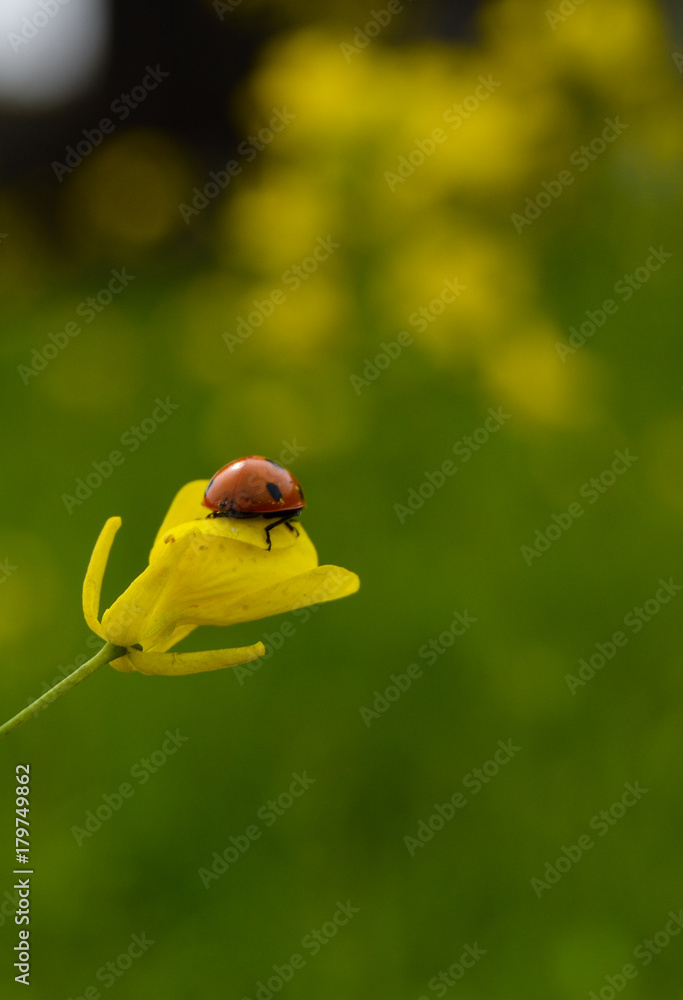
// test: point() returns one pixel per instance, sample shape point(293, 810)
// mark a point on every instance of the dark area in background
point(206, 58)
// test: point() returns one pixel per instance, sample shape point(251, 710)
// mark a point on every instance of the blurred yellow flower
point(205, 571)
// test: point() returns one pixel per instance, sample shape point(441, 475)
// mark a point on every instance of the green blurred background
point(361, 101)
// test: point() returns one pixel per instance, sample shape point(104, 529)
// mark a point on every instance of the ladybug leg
point(286, 519)
point(292, 527)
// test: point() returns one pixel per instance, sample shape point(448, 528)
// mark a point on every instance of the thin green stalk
point(108, 653)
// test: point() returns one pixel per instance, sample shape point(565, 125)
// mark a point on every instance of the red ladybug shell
point(253, 485)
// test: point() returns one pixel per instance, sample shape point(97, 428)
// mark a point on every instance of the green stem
point(108, 653)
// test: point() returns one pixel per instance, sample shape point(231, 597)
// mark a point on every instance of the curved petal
point(175, 664)
point(92, 585)
point(185, 506)
point(123, 664)
point(176, 635)
point(324, 583)
point(205, 576)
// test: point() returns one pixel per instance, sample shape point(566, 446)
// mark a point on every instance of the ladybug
point(255, 487)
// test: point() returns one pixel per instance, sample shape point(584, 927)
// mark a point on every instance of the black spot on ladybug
point(300, 491)
point(276, 464)
point(274, 491)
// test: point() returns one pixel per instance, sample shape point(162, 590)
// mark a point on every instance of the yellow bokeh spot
point(127, 191)
point(526, 373)
point(457, 289)
point(311, 319)
point(280, 220)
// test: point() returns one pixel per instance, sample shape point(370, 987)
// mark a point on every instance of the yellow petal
point(133, 618)
point(123, 663)
point(204, 575)
point(185, 506)
point(92, 585)
point(324, 583)
point(175, 664)
point(176, 635)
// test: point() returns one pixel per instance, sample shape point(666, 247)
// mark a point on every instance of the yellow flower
point(206, 571)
